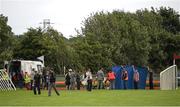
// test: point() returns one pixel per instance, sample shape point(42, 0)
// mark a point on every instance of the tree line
point(143, 38)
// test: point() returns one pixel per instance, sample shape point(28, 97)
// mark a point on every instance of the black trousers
point(31, 87)
point(151, 85)
point(135, 85)
point(78, 85)
point(52, 85)
point(125, 84)
point(89, 85)
point(37, 86)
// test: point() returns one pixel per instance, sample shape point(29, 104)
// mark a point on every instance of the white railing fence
point(5, 82)
point(168, 78)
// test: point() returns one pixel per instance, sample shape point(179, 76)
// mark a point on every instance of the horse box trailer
point(22, 66)
point(17, 68)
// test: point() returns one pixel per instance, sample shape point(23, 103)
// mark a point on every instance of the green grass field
point(94, 98)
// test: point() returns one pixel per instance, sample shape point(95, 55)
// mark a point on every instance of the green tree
point(31, 45)
point(114, 38)
point(170, 19)
point(58, 53)
point(161, 29)
point(6, 40)
point(49, 43)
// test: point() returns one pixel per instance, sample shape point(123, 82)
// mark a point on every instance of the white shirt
point(89, 75)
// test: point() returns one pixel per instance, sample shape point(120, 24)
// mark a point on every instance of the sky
point(68, 15)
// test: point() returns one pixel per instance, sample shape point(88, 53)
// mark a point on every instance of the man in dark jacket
point(67, 80)
point(150, 79)
point(52, 80)
point(78, 81)
point(36, 82)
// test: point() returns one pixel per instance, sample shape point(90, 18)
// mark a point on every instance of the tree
point(161, 25)
point(31, 45)
point(58, 54)
point(171, 21)
point(114, 38)
point(49, 43)
point(6, 40)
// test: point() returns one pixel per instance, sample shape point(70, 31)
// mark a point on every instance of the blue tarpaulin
point(142, 77)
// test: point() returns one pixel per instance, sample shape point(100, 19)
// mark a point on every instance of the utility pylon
point(46, 24)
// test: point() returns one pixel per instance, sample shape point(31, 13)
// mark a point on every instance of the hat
point(70, 70)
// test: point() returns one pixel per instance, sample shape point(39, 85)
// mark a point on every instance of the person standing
point(89, 79)
point(100, 78)
point(84, 80)
point(124, 77)
point(151, 87)
point(27, 80)
point(20, 80)
point(6, 78)
point(67, 80)
point(43, 78)
point(111, 77)
point(135, 78)
point(52, 80)
point(32, 78)
point(72, 79)
point(47, 80)
point(78, 81)
point(36, 83)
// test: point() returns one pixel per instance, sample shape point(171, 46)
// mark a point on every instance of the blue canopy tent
point(142, 77)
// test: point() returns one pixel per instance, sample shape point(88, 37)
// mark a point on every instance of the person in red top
point(111, 78)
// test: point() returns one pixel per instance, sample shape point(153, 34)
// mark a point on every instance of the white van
point(16, 66)
point(17, 69)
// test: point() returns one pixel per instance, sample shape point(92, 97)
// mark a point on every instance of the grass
point(94, 98)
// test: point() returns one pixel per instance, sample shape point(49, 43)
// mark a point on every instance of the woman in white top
point(135, 77)
point(89, 79)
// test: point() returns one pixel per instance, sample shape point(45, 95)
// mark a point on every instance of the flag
point(41, 58)
point(176, 56)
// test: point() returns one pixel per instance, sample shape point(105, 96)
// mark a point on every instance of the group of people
point(125, 78)
point(49, 82)
point(111, 76)
point(73, 79)
point(100, 81)
point(46, 79)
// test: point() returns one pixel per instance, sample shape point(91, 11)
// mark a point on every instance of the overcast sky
point(68, 14)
